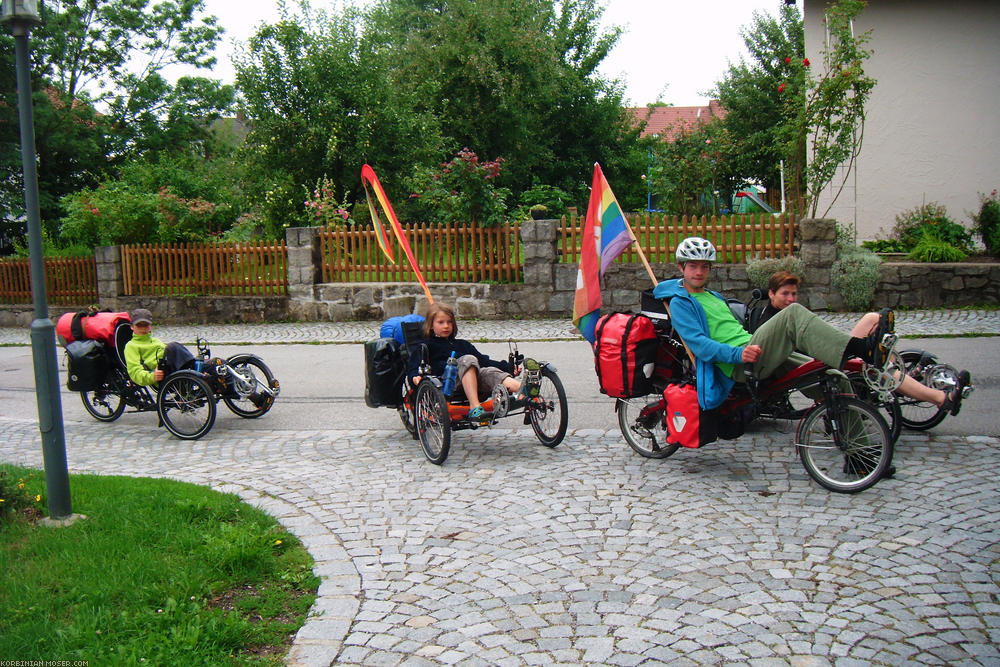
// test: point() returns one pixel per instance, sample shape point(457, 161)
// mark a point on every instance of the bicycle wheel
point(405, 411)
point(889, 409)
point(107, 402)
point(641, 421)
point(549, 411)
point(845, 447)
point(254, 386)
point(186, 405)
point(920, 415)
point(432, 422)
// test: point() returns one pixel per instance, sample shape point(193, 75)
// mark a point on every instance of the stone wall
point(547, 290)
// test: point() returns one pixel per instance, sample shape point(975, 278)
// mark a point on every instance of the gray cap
point(140, 315)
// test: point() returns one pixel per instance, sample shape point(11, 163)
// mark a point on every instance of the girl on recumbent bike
point(483, 390)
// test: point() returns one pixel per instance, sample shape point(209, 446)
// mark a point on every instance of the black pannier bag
point(86, 365)
point(384, 369)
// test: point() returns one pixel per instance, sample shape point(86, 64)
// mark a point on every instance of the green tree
point(100, 95)
point(831, 117)
point(518, 79)
point(694, 174)
point(322, 103)
point(754, 94)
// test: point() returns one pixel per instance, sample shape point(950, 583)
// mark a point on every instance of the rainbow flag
point(368, 177)
point(606, 235)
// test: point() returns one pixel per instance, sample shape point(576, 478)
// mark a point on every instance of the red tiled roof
point(669, 122)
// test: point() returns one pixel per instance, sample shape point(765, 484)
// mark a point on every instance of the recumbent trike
point(430, 417)
point(185, 400)
point(843, 442)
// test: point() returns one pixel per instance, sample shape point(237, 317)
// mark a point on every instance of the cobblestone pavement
point(515, 554)
point(908, 323)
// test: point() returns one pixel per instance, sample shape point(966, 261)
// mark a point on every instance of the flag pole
point(642, 255)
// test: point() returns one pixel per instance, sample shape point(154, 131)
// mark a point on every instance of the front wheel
point(549, 411)
point(846, 447)
point(254, 386)
point(107, 402)
point(186, 405)
point(433, 424)
point(641, 421)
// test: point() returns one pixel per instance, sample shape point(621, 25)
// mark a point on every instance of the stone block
point(398, 305)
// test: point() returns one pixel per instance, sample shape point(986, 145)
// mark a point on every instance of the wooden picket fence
point(461, 253)
point(737, 238)
point(68, 281)
point(255, 268)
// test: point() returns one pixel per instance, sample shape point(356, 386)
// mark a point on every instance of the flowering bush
point(322, 207)
point(930, 220)
point(988, 222)
point(464, 190)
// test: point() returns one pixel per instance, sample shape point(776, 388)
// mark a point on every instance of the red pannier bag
point(625, 354)
point(89, 326)
point(690, 426)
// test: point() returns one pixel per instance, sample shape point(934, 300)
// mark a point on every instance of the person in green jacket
point(143, 352)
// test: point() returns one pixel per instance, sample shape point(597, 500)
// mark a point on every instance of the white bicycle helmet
point(695, 248)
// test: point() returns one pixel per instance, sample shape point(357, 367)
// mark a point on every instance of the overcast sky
point(671, 50)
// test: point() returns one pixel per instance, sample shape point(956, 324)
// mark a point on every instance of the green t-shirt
point(723, 327)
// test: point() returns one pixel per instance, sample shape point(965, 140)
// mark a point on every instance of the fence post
point(110, 279)
point(818, 238)
point(539, 240)
point(305, 270)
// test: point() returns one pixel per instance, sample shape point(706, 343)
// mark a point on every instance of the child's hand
point(158, 375)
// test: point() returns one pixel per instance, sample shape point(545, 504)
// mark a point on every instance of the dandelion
point(38, 498)
point(277, 542)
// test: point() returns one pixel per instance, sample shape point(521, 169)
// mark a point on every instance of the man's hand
point(158, 375)
point(751, 353)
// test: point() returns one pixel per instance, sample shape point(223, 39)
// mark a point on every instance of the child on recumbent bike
point(478, 375)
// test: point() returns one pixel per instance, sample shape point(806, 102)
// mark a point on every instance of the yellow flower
point(277, 542)
point(38, 498)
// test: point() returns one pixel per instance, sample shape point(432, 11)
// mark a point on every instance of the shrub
point(988, 222)
point(932, 218)
point(884, 245)
point(855, 276)
point(932, 249)
point(759, 270)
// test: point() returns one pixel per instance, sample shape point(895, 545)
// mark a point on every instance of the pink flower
point(805, 61)
point(787, 60)
point(708, 141)
point(95, 211)
point(781, 88)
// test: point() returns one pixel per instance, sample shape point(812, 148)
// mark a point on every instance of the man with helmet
point(720, 344)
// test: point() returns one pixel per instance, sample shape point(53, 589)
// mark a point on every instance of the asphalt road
point(322, 386)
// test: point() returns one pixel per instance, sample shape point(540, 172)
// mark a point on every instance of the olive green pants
point(797, 328)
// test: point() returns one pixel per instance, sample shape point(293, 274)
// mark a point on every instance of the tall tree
point(322, 103)
point(754, 93)
point(517, 79)
point(100, 94)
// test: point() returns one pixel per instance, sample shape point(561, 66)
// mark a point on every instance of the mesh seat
point(122, 335)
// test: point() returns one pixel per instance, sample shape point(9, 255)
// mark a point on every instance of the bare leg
point(470, 383)
point(511, 384)
point(865, 326)
point(921, 392)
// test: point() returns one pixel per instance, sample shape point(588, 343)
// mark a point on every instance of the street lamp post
point(21, 15)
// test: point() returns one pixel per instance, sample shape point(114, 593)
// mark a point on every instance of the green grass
point(160, 572)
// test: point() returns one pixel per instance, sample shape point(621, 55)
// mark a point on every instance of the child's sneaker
point(479, 414)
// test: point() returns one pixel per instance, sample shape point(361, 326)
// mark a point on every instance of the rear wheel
point(254, 386)
point(641, 421)
point(920, 415)
point(432, 422)
point(107, 402)
point(186, 405)
point(845, 447)
point(549, 411)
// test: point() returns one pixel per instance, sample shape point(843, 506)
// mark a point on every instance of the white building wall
point(933, 127)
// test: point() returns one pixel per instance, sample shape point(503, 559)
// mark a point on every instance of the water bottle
point(450, 375)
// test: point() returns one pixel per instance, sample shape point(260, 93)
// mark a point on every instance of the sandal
point(953, 401)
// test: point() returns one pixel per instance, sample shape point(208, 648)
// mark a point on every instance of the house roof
point(671, 122)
